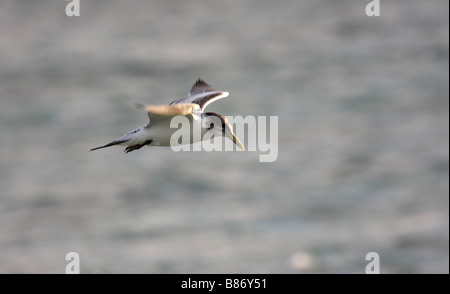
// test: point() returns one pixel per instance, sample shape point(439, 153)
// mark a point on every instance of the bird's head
point(220, 126)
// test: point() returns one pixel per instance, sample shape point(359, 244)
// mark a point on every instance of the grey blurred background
point(363, 165)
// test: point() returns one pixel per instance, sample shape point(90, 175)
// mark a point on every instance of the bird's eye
point(211, 126)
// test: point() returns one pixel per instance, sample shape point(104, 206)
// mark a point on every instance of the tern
point(157, 132)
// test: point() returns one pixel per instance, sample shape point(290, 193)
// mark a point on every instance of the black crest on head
point(223, 120)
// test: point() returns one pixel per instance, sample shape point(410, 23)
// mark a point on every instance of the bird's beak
point(237, 142)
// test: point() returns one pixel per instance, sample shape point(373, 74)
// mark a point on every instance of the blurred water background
point(363, 163)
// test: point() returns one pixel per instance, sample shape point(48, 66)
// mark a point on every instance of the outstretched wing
point(167, 112)
point(201, 94)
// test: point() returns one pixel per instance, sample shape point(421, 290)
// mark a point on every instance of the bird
point(157, 132)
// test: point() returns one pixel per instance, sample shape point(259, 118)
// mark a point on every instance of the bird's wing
point(200, 86)
point(202, 94)
point(167, 112)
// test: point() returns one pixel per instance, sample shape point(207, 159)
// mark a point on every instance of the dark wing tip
point(200, 86)
point(201, 83)
point(96, 148)
point(139, 105)
point(116, 142)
